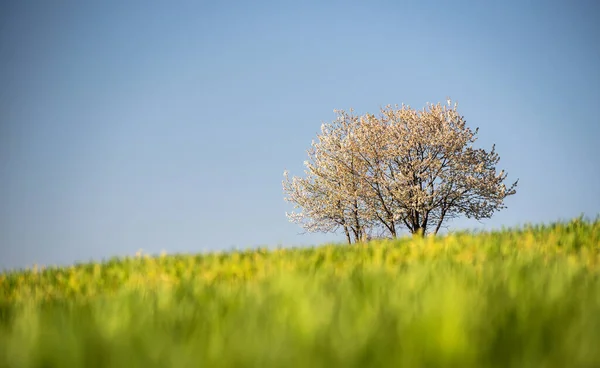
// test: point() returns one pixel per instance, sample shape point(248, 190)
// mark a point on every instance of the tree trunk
point(393, 230)
point(347, 234)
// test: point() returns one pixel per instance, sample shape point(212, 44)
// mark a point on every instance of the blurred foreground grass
point(527, 297)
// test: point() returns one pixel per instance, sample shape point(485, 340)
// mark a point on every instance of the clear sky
point(167, 125)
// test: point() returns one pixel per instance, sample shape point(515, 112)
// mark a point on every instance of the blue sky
point(167, 125)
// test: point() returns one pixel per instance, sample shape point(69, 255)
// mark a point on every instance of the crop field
point(523, 297)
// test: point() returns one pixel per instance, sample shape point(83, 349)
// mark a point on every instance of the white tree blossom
point(402, 169)
point(329, 194)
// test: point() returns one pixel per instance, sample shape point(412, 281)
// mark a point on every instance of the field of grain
point(526, 297)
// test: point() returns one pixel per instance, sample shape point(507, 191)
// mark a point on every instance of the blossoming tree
point(402, 169)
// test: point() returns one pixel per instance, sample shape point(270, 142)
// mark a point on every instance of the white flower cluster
point(402, 169)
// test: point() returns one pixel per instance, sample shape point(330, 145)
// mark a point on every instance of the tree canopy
point(375, 175)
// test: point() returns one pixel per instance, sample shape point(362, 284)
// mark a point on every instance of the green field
point(526, 297)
